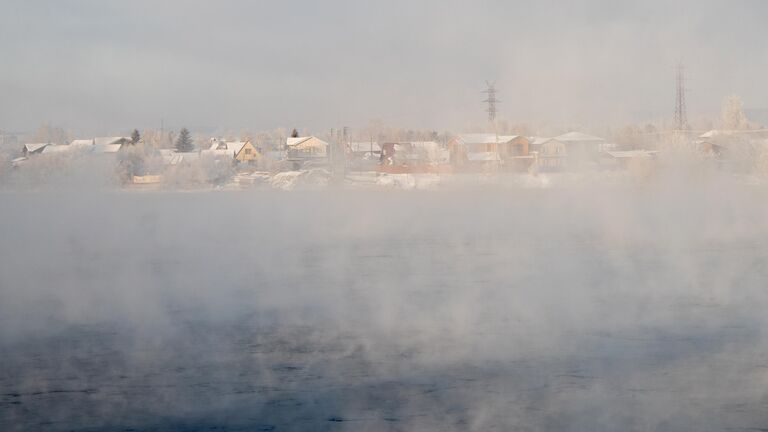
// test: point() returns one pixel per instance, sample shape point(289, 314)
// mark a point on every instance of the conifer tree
point(184, 142)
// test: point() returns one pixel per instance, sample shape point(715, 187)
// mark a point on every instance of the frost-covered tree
point(733, 117)
point(47, 133)
point(184, 141)
point(130, 162)
point(294, 133)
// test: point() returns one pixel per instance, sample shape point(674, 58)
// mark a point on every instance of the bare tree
point(733, 117)
point(47, 133)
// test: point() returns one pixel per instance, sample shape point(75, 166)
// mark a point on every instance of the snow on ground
point(311, 179)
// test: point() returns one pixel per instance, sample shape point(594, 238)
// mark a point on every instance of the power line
point(491, 100)
point(681, 118)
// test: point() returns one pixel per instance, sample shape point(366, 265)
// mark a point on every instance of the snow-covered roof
point(34, 147)
point(364, 146)
point(81, 142)
point(63, 148)
point(426, 151)
point(172, 157)
point(483, 157)
point(539, 140)
point(235, 146)
point(106, 148)
point(110, 140)
point(485, 138)
point(298, 142)
point(291, 141)
point(578, 137)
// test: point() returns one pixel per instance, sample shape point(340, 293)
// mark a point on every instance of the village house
point(106, 149)
point(238, 151)
point(414, 157)
point(171, 157)
point(364, 150)
point(736, 150)
point(363, 155)
point(623, 159)
point(33, 148)
point(515, 152)
point(112, 141)
point(572, 150)
point(110, 145)
point(488, 151)
point(97, 146)
point(550, 154)
point(306, 150)
point(466, 147)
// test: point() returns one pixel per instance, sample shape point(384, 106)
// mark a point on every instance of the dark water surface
point(578, 310)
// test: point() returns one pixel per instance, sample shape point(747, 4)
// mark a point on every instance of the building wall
point(554, 148)
point(551, 163)
point(519, 146)
point(248, 153)
point(313, 146)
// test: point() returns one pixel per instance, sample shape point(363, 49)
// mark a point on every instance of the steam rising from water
point(595, 308)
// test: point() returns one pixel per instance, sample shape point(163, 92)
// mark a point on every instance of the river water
point(585, 309)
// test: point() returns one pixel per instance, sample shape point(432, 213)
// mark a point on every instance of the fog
point(100, 67)
point(630, 306)
point(164, 283)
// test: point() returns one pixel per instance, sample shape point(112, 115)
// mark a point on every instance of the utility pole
point(491, 100)
point(162, 133)
point(681, 118)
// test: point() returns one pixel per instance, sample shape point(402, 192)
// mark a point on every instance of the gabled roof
point(82, 146)
point(485, 138)
point(110, 140)
point(539, 140)
point(172, 157)
point(577, 137)
point(293, 141)
point(35, 147)
point(56, 149)
point(81, 142)
point(67, 148)
point(364, 146)
point(228, 146)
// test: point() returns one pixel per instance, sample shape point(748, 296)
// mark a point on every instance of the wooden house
point(239, 151)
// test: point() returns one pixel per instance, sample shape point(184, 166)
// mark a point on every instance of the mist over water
point(313, 216)
point(586, 308)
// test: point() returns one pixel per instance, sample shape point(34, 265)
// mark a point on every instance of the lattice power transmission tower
point(681, 118)
point(491, 100)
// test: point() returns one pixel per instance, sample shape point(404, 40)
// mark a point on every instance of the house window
point(247, 151)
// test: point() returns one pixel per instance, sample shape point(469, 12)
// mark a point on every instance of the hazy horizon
point(112, 66)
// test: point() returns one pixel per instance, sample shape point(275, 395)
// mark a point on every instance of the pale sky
point(109, 66)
